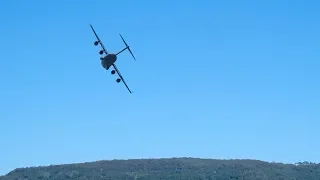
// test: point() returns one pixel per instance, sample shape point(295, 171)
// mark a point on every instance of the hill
point(171, 168)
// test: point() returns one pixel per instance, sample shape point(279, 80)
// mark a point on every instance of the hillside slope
point(173, 169)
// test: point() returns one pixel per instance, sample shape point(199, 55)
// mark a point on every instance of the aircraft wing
point(100, 42)
point(115, 67)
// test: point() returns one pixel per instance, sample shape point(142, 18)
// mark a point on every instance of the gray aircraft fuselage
point(108, 60)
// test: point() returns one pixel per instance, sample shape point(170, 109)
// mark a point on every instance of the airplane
point(110, 58)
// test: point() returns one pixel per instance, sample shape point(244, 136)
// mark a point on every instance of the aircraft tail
point(127, 47)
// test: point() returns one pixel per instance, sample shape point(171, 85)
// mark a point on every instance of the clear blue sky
point(213, 79)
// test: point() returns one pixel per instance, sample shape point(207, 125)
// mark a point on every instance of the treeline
point(172, 168)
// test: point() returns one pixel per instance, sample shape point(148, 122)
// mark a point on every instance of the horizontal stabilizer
point(128, 47)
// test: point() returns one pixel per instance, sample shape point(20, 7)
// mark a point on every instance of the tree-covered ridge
point(171, 168)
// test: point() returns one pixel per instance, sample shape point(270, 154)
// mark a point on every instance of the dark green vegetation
point(173, 169)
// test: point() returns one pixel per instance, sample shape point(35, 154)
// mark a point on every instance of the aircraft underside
point(108, 61)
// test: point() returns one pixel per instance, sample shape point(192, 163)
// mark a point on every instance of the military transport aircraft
point(110, 58)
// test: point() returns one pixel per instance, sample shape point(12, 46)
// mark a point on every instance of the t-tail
point(127, 47)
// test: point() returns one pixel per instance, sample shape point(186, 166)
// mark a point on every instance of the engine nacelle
point(113, 72)
point(118, 80)
point(101, 52)
point(96, 43)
